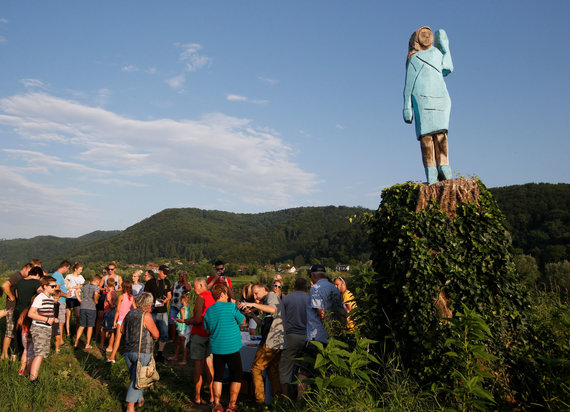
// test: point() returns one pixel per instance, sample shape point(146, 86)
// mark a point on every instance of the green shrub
point(418, 255)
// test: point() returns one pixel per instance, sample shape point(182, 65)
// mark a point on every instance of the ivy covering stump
point(435, 248)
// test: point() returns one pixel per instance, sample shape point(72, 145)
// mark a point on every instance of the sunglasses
point(219, 269)
point(277, 286)
point(110, 270)
point(51, 286)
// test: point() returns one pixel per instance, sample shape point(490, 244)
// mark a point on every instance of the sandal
point(219, 408)
point(232, 408)
point(200, 402)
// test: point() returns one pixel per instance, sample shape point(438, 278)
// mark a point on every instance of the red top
point(208, 301)
point(219, 281)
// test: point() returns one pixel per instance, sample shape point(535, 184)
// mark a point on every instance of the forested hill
point(538, 216)
point(15, 253)
point(539, 219)
point(299, 234)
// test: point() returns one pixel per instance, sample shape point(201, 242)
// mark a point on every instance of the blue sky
point(113, 111)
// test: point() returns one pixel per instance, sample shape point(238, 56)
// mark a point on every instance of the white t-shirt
point(45, 305)
point(74, 282)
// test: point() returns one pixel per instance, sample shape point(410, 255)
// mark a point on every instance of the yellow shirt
point(348, 297)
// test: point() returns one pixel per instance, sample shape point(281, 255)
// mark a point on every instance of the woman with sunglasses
point(277, 288)
point(42, 314)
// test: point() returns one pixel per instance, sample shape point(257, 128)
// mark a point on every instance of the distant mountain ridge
point(538, 216)
point(14, 253)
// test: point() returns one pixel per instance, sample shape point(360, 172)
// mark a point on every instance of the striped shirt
point(222, 319)
point(45, 306)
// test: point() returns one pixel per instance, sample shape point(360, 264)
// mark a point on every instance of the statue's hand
point(408, 115)
point(441, 41)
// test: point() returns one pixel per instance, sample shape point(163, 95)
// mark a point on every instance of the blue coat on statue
point(425, 92)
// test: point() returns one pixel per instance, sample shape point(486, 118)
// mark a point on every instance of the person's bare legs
point(89, 335)
point(5, 347)
point(117, 343)
point(302, 387)
point(198, 367)
point(103, 336)
point(234, 392)
point(217, 393)
point(35, 369)
point(78, 335)
point(210, 376)
point(111, 342)
point(67, 320)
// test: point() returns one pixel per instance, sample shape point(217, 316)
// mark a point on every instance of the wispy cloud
point(177, 82)
point(267, 80)
point(3, 20)
point(152, 70)
point(193, 61)
point(39, 203)
point(33, 84)
point(103, 96)
point(130, 68)
point(189, 55)
point(339, 126)
point(227, 153)
point(238, 98)
point(3, 40)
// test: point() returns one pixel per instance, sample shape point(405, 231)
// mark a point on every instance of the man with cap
point(324, 299)
point(160, 289)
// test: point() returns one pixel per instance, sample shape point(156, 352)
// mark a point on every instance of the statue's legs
point(428, 158)
point(442, 156)
point(435, 152)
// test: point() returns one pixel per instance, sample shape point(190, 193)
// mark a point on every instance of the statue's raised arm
point(426, 99)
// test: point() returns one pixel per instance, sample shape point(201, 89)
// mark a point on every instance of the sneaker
point(111, 360)
point(21, 372)
point(35, 381)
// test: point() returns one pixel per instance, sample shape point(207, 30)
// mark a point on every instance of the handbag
point(146, 375)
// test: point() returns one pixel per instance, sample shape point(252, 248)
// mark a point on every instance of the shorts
point(10, 324)
point(173, 314)
point(55, 330)
point(87, 318)
point(233, 360)
point(61, 316)
point(309, 351)
point(199, 347)
point(101, 302)
point(161, 322)
point(109, 321)
point(41, 337)
point(71, 303)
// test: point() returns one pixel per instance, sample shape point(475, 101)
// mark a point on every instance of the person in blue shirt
point(58, 276)
point(222, 320)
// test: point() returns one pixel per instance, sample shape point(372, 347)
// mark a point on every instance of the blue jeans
point(161, 322)
point(134, 394)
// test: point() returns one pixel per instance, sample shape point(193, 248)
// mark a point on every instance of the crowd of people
point(111, 311)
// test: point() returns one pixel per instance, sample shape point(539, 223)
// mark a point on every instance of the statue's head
point(424, 37)
point(421, 39)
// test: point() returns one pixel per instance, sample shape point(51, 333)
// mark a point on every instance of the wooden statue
point(426, 98)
